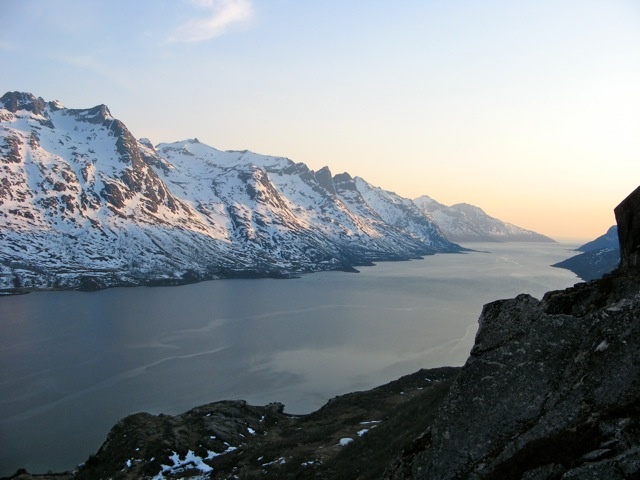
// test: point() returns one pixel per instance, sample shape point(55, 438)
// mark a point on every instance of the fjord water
point(74, 363)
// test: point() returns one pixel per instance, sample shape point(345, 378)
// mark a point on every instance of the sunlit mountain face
point(83, 204)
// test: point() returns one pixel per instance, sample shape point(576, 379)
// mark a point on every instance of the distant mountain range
point(466, 223)
point(85, 205)
point(598, 256)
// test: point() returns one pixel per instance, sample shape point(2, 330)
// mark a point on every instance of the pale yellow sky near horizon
point(528, 110)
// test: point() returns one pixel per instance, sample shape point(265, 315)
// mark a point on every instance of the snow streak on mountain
point(83, 204)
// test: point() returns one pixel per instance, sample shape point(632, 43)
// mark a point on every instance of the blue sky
point(528, 109)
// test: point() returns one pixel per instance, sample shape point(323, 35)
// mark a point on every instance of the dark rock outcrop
point(324, 178)
point(15, 101)
point(353, 436)
point(543, 392)
point(628, 218)
point(551, 389)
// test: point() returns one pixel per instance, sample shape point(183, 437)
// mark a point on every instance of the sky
point(527, 109)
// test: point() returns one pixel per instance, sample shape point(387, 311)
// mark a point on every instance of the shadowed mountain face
point(599, 257)
point(628, 218)
point(83, 204)
point(608, 240)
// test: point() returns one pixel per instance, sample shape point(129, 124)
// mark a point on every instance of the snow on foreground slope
point(83, 204)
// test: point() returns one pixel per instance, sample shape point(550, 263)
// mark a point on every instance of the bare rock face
point(628, 218)
point(551, 389)
point(325, 179)
point(146, 446)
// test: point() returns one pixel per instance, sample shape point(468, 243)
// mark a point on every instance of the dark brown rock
point(232, 439)
point(15, 101)
point(628, 218)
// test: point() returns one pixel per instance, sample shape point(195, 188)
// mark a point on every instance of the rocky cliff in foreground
point(551, 389)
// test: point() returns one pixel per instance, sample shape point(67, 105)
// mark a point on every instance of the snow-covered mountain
point(83, 204)
point(466, 223)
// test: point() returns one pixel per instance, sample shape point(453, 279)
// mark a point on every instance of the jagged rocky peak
point(16, 101)
point(324, 178)
point(342, 177)
point(344, 181)
point(97, 115)
point(24, 101)
point(628, 218)
point(147, 143)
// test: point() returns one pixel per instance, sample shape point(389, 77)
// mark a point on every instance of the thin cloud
point(89, 63)
point(220, 17)
point(6, 46)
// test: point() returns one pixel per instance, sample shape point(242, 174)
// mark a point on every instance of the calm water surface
point(73, 363)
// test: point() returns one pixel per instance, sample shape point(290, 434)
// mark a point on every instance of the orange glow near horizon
point(528, 110)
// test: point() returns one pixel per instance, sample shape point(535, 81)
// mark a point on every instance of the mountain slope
point(466, 223)
point(598, 256)
point(402, 213)
point(608, 240)
point(83, 204)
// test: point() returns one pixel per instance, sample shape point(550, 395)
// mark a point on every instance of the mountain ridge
point(463, 222)
point(85, 205)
